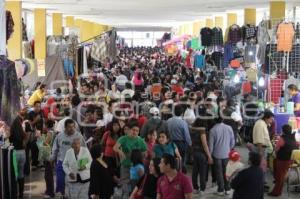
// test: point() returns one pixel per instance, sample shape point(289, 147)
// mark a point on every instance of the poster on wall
point(41, 67)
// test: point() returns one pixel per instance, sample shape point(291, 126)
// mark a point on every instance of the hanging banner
point(41, 67)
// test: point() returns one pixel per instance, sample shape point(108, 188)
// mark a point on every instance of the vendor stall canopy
point(163, 13)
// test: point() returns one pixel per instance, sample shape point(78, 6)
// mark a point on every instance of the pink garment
point(137, 81)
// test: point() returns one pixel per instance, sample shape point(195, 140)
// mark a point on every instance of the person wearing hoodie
point(61, 145)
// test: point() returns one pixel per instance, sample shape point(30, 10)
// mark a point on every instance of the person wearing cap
point(155, 122)
point(234, 165)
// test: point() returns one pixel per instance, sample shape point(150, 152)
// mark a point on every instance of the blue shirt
point(159, 149)
point(134, 175)
point(296, 100)
point(179, 130)
point(221, 141)
point(199, 61)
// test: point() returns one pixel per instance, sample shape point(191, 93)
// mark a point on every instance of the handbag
point(294, 176)
point(139, 193)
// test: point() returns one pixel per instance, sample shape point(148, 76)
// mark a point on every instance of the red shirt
point(178, 89)
point(176, 189)
point(109, 143)
point(142, 120)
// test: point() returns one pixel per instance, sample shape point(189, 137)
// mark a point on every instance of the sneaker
point(220, 193)
point(196, 191)
point(227, 193)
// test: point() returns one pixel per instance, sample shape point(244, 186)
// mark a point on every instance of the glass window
point(158, 35)
point(125, 34)
point(139, 34)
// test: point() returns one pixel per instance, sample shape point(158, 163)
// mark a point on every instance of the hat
point(234, 156)
point(154, 111)
point(173, 81)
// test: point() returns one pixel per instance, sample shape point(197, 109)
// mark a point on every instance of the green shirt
point(127, 145)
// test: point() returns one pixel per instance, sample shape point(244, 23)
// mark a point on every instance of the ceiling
point(124, 13)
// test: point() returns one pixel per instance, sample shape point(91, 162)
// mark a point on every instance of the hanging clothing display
point(65, 48)
point(24, 31)
point(2, 30)
point(262, 39)
point(99, 49)
point(250, 53)
point(249, 32)
point(297, 35)
point(217, 37)
point(217, 57)
point(199, 60)
point(251, 74)
point(273, 59)
point(206, 36)
point(228, 54)
point(234, 34)
point(9, 25)
point(294, 59)
point(8, 177)
point(285, 35)
point(9, 90)
point(27, 50)
point(54, 71)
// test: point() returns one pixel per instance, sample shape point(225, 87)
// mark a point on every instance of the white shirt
point(127, 92)
point(121, 80)
point(189, 116)
point(107, 118)
point(71, 163)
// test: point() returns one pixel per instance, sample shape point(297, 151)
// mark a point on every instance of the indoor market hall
point(140, 99)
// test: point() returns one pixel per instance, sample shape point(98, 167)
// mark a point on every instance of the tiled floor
point(35, 185)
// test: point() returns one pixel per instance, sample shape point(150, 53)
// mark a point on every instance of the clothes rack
point(95, 37)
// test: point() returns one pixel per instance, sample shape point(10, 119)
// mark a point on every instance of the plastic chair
point(295, 157)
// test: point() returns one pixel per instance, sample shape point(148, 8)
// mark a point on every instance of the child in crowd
point(137, 170)
point(234, 165)
point(165, 146)
point(150, 141)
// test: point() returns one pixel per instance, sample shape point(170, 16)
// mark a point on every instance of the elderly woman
point(77, 165)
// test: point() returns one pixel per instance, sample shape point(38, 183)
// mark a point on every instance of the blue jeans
point(60, 178)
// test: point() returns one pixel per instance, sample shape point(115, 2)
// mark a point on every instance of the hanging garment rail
point(95, 37)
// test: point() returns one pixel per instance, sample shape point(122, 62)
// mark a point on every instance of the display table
point(280, 120)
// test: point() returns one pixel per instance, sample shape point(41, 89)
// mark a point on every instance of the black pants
point(49, 179)
point(200, 166)
point(220, 171)
point(182, 148)
point(34, 150)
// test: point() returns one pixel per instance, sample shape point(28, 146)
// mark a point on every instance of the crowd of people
point(130, 128)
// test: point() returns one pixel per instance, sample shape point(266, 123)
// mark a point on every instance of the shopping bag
point(294, 176)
